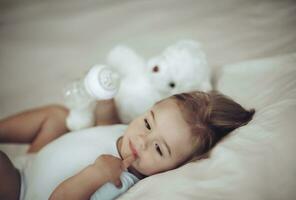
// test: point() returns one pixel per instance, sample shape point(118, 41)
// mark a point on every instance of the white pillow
point(255, 161)
point(258, 83)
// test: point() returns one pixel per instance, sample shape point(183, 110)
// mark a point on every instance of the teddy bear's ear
point(124, 60)
point(188, 44)
point(192, 47)
point(119, 54)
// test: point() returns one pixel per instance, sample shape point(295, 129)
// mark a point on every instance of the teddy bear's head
point(181, 67)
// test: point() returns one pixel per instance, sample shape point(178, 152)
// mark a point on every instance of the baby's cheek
point(149, 167)
point(142, 163)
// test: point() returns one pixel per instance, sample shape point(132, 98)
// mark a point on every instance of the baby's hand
point(112, 167)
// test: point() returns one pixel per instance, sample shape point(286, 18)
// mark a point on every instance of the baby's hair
point(211, 116)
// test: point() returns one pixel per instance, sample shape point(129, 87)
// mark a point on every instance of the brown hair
point(211, 116)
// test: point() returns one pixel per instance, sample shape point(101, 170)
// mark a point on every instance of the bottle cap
point(101, 82)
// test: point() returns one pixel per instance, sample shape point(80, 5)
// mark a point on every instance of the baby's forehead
point(184, 142)
point(167, 103)
point(173, 128)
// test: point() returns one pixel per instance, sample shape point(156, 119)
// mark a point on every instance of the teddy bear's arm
point(106, 113)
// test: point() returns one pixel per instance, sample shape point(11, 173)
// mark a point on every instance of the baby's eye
point(158, 149)
point(147, 124)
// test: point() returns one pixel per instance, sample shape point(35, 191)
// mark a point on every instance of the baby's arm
point(106, 113)
point(81, 186)
point(41, 125)
point(37, 126)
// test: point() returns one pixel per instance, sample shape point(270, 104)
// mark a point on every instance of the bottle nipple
point(101, 82)
point(108, 79)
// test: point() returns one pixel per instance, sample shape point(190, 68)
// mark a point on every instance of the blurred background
point(47, 44)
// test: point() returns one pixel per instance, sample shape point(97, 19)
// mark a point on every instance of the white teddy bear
point(181, 67)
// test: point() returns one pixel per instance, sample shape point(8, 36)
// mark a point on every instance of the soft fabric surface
point(260, 83)
point(46, 44)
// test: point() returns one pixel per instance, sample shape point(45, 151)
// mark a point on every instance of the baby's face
point(160, 139)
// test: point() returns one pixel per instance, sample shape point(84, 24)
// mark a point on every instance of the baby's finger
point(128, 161)
point(118, 183)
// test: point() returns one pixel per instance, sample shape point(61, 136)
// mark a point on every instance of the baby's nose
point(142, 141)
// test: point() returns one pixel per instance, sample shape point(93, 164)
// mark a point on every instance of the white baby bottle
point(100, 83)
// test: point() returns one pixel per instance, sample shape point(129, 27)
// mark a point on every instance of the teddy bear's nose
point(172, 84)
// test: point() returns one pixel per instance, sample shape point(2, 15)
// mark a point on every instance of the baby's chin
point(137, 173)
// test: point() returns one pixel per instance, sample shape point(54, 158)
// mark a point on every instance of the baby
point(176, 130)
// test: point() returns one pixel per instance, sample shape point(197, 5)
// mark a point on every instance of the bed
point(250, 46)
